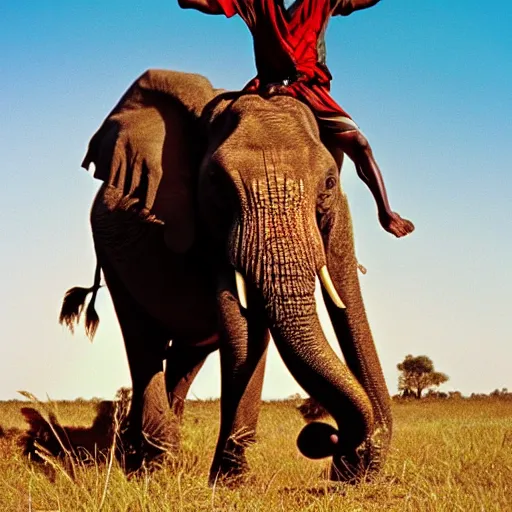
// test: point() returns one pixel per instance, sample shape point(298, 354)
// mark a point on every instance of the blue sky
point(428, 82)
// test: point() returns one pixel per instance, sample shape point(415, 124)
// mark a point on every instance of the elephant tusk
point(241, 289)
point(327, 283)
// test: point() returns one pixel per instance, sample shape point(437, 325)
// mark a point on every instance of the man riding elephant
point(290, 59)
point(267, 218)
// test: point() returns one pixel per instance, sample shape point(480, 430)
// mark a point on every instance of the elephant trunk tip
point(352, 462)
point(318, 440)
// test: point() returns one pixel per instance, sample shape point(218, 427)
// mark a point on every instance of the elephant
point(217, 213)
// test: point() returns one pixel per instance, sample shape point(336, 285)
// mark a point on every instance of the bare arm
point(346, 7)
point(206, 6)
point(362, 4)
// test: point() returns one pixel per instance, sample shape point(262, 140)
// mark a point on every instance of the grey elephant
point(217, 213)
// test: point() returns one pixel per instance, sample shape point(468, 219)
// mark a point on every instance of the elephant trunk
point(282, 269)
point(305, 351)
point(353, 331)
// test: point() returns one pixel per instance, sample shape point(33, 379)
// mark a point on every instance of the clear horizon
point(428, 84)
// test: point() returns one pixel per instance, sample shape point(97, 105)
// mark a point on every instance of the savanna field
point(447, 455)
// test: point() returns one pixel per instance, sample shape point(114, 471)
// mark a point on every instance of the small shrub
point(312, 410)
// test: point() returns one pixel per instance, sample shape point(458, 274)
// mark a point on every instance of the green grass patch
point(447, 455)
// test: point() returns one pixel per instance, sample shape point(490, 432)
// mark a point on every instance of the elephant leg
point(243, 347)
point(183, 364)
point(152, 428)
point(354, 334)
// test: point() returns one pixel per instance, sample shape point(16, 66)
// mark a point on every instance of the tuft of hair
point(72, 306)
point(74, 302)
point(92, 320)
point(312, 410)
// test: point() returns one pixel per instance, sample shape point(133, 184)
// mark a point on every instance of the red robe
point(287, 45)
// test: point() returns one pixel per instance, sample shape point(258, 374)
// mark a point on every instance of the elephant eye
point(330, 182)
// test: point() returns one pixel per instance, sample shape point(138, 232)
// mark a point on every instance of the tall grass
point(446, 456)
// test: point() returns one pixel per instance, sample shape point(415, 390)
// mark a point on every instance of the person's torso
point(288, 37)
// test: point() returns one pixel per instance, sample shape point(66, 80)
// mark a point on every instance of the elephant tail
point(73, 305)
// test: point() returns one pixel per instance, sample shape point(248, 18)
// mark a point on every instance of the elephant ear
point(149, 149)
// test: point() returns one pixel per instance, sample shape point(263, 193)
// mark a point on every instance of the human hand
point(396, 225)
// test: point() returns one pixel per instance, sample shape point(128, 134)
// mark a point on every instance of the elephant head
point(246, 187)
point(270, 197)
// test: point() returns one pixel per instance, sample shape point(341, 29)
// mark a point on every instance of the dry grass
point(447, 456)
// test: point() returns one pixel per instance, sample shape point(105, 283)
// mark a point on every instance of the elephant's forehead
point(276, 137)
point(272, 126)
point(277, 117)
point(263, 158)
point(279, 135)
point(255, 104)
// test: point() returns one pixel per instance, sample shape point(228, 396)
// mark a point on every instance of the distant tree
point(124, 397)
point(503, 393)
point(417, 375)
point(478, 396)
point(437, 395)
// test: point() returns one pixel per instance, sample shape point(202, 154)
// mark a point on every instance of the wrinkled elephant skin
point(217, 214)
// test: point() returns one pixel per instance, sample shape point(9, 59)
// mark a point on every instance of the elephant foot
point(148, 446)
point(348, 469)
point(136, 465)
point(364, 462)
point(132, 463)
point(149, 457)
point(146, 454)
point(230, 479)
point(160, 427)
point(233, 468)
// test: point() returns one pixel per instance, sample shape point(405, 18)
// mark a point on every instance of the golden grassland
point(451, 455)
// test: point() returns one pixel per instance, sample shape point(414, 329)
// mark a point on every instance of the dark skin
point(356, 146)
point(206, 6)
point(351, 142)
